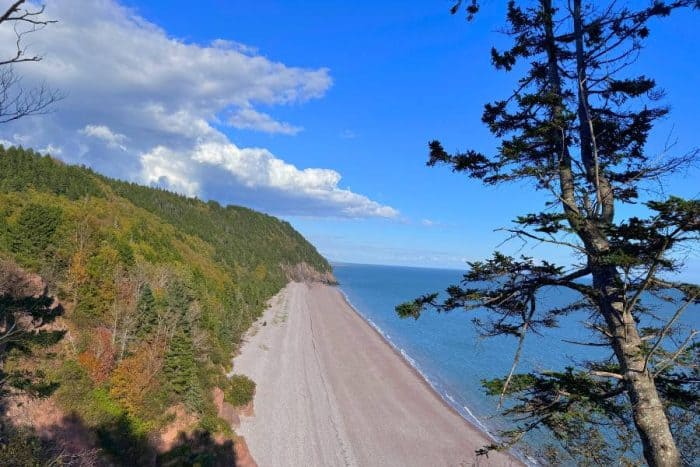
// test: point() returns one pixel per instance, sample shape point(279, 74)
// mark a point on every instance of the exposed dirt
point(304, 272)
point(225, 410)
point(243, 457)
point(68, 431)
point(183, 423)
point(50, 422)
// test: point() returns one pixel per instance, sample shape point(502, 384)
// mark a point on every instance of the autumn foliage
point(98, 359)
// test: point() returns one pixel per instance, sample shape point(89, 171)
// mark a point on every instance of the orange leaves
point(98, 359)
point(136, 375)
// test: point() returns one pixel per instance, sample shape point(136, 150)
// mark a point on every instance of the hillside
point(155, 292)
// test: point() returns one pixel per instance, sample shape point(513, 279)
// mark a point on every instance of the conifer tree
point(24, 316)
point(576, 127)
point(147, 313)
point(35, 230)
point(180, 368)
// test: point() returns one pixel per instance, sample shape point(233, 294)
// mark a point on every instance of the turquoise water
point(446, 349)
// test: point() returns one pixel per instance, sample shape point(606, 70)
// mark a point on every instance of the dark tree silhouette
point(16, 100)
point(24, 313)
point(577, 127)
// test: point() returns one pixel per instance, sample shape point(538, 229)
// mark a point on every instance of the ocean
point(446, 348)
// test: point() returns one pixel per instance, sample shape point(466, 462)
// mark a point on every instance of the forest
point(122, 305)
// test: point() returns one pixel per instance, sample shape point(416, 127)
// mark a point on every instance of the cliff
point(156, 291)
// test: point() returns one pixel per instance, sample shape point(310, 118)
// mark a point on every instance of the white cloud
point(348, 134)
point(233, 45)
point(427, 223)
point(127, 81)
point(102, 132)
point(300, 192)
point(162, 167)
point(52, 150)
point(251, 119)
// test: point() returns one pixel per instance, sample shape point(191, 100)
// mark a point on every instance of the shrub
point(240, 390)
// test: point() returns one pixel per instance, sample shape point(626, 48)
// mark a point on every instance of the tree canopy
point(576, 127)
point(158, 290)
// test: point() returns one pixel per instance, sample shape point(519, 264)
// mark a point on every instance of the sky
point(318, 112)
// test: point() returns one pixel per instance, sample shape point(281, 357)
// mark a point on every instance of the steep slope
point(157, 290)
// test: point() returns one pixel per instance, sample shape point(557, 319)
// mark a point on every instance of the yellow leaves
point(260, 273)
point(77, 270)
point(98, 359)
point(136, 376)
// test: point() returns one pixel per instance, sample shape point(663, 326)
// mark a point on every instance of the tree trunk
point(647, 409)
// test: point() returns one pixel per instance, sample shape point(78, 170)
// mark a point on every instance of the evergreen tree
point(24, 314)
point(180, 367)
point(576, 129)
point(147, 313)
point(35, 229)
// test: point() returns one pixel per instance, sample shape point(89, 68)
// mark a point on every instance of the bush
point(240, 390)
point(20, 447)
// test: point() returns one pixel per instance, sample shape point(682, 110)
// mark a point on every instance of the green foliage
point(122, 437)
point(180, 369)
point(239, 391)
point(198, 449)
point(23, 314)
point(242, 238)
point(34, 231)
point(147, 312)
point(124, 441)
point(576, 128)
point(20, 447)
point(161, 288)
point(22, 169)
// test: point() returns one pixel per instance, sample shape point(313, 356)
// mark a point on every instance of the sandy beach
point(332, 392)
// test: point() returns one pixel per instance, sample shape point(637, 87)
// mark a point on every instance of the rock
point(304, 272)
point(225, 410)
point(243, 457)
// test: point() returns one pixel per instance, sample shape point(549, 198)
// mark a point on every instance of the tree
point(35, 230)
point(180, 367)
point(576, 127)
point(17, 101)
point(25, 311)
point(147, 313)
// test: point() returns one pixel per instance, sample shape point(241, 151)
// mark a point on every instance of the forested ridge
point(155, 292)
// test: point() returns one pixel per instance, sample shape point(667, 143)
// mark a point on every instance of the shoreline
point(424, 379)
point(333, 391)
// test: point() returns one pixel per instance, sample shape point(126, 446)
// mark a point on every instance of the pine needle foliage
point(576, 128)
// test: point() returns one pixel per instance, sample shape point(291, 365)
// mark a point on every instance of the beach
point(332, 392)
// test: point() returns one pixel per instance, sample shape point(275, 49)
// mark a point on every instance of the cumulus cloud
point(251, 119)
point(296, 191)
point(142, 105)
point(115, 140)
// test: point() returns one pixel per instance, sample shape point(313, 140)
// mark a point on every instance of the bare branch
point(666, 363)
point(606, 374)
point(521, 341)
point(665, 329)
point(17, 101)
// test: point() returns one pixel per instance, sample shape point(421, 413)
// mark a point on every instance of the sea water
point(446, 348)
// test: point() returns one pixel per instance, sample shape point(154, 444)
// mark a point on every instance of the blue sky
point(389, 77)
